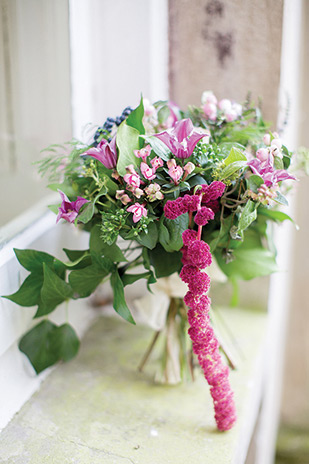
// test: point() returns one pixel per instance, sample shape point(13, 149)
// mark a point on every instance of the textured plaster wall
point(231, 47)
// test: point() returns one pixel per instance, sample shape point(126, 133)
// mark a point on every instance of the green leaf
point(231, 169)
point(64, 342)
point(99, 247)
point(170, 232)
point(254, 182)
point(281, 199)
point(158, 147)
point(119, 303)
point(36, 345)
point(275, 215)
point(85, 281)
point(248, 215)
point(30, 291)
point(135, 118)
point(54, 290)
point(75, 255)
point(251, 259)
point(33, 260)
point(65, 188)
point(165, 263)
point(163, 113)
point(87, 213)
point(129, 279)
point(235, 155)
point(53, 208)
point(278, 163)
point(149, 239)
point(127, 141)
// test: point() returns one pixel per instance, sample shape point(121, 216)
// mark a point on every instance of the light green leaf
point(235, 155)
point(281, 199)
point(231, 169)
point(127, 141)
point(158, 147)
point(135, 118)
point(248, 215)
point(87, 213)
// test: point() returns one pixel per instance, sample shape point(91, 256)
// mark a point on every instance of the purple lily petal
point(181, 139)
point(105, 152)
point(182, 129)
point(69, 210)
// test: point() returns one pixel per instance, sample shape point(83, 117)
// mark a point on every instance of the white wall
point(119, 50)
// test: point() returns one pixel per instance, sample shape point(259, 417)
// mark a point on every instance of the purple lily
point(69, 210)
point(269, 174)
point(181, 139)
point(105, 152)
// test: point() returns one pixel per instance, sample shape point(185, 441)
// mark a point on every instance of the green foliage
point(135, 119)
point(48, 343)
point(119, 303)
point(251, 259)
point(127, 141)
point(164, 263)
point(170, 232)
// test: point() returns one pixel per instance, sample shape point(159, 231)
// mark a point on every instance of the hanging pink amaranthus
point(196, 257)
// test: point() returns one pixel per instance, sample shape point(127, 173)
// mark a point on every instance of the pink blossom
point(189, 236)
point(175, 173)
point(153, 191)
point(269, 174)
point(143, 153)
point(199, 253)
point(210, 111)
point(203, 216)
point(123, 197)
point(209, 97)
point(266, 139)
point(147, 172)
point(225, 105)
point(189, 167)
point(191, 202)
point(132, 178)
point(138, 211)
point(262, 154)
point(174, 208)
point(156, 163)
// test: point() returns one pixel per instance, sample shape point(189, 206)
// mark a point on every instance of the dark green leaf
point(85, 281)
point(163, 262)
point(37, 346)
point(99, 247)
point(129, 279)
point(149, 239)
point(64, 342)
point(54, 290)
point(120, 304)
point(33, 260)
point(29, 292)
point(170, 232)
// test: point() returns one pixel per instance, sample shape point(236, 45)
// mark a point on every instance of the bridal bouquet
point(170, 191)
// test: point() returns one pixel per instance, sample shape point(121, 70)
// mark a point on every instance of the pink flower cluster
point(206, 194)
point(204, 342)
point(224, 108)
